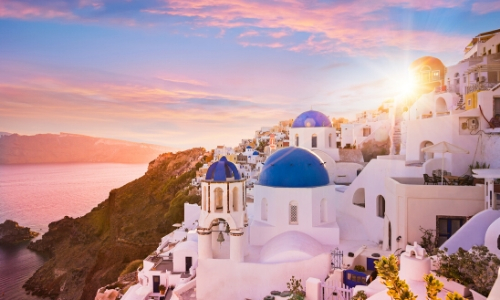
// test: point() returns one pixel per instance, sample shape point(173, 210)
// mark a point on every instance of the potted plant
point(162, 289)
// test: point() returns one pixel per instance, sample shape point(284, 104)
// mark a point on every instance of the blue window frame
point(447, 226)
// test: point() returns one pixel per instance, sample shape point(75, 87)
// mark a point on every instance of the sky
point(185, 73)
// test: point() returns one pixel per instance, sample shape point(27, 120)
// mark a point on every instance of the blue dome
point(256, 153)
point(295, 168)
point(312, 118)
point(222, 170)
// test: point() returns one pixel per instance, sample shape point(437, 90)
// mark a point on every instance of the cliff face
point(67, 148)
point(88, 252)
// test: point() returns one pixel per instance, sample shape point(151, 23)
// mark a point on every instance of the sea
point(36, 194)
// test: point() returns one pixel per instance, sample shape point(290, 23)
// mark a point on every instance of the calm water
point(35, 195)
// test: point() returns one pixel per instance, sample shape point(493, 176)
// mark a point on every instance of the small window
point(496, 106)
point(236, 199)
point(367, 131)
point(263, 210)
point(314, 141)
point(359, 197)
point(296, 140)
point(447, 226)
point(498, 242)
point(435, 75)
point(294, 213)
point(380, 206)
point(323, 211)
point(330, 141)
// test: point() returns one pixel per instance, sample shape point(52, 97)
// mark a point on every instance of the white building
point(300, 214)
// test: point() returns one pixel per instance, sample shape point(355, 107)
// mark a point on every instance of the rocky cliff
point(12, 233)
point(68, 148)
point(88, 252)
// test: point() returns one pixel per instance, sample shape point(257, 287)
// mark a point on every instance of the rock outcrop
point(12, 233)
point(71, 148)
point(89, 252)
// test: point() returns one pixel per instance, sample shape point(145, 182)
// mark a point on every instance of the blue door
point(353, 278)
point(370, 263)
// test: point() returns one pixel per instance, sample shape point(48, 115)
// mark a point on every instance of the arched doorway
point(425, 156)
point(441, 107)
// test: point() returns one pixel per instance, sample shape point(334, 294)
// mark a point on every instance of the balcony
point(480, 86)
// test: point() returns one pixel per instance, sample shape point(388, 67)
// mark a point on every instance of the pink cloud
point(268, 45)
point(482, 8)
point(20, 10)
point(249, 33)
point(278, 34)
point(183, 80)
point(333, 28)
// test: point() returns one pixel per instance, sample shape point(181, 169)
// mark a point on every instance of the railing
point(480, 86)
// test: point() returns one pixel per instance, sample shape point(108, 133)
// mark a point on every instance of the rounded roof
point(431, 61)
point(222, 170)
point(312, 118)
point(255, 153)
point(294, 167)
point(290, 246)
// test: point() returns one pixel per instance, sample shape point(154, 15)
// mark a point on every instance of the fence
point(332, 291)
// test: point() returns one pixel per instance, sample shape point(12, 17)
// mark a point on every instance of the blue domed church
point(294, 197)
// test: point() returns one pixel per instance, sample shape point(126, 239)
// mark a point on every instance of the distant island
point(73, 148)
point(12, 233)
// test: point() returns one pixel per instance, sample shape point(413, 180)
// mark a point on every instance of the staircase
point(461, 103)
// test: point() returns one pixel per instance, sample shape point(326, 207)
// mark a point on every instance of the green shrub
point(359, 268)
point(476, 269)
point(132, 266)
point(360, 295)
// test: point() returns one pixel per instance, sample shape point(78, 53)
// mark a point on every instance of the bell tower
point(223, 211)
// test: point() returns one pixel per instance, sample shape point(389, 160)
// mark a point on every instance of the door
point(189, 263)
point(156, 284)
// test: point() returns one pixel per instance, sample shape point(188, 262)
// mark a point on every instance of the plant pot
point(477, 296)
point(453, 286)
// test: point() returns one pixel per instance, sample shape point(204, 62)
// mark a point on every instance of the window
point(296, 140)
point(380, 206)
point(367, 131)
point(330, 141)
point(218, 198)
point(359, 197)
point(447, 226)
point(435, 75)
point(294, 213)
point(236, 199)
point(323, 211)
point(425, 74)
point(263, 210)
point(496, 106)
point(314, 141)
